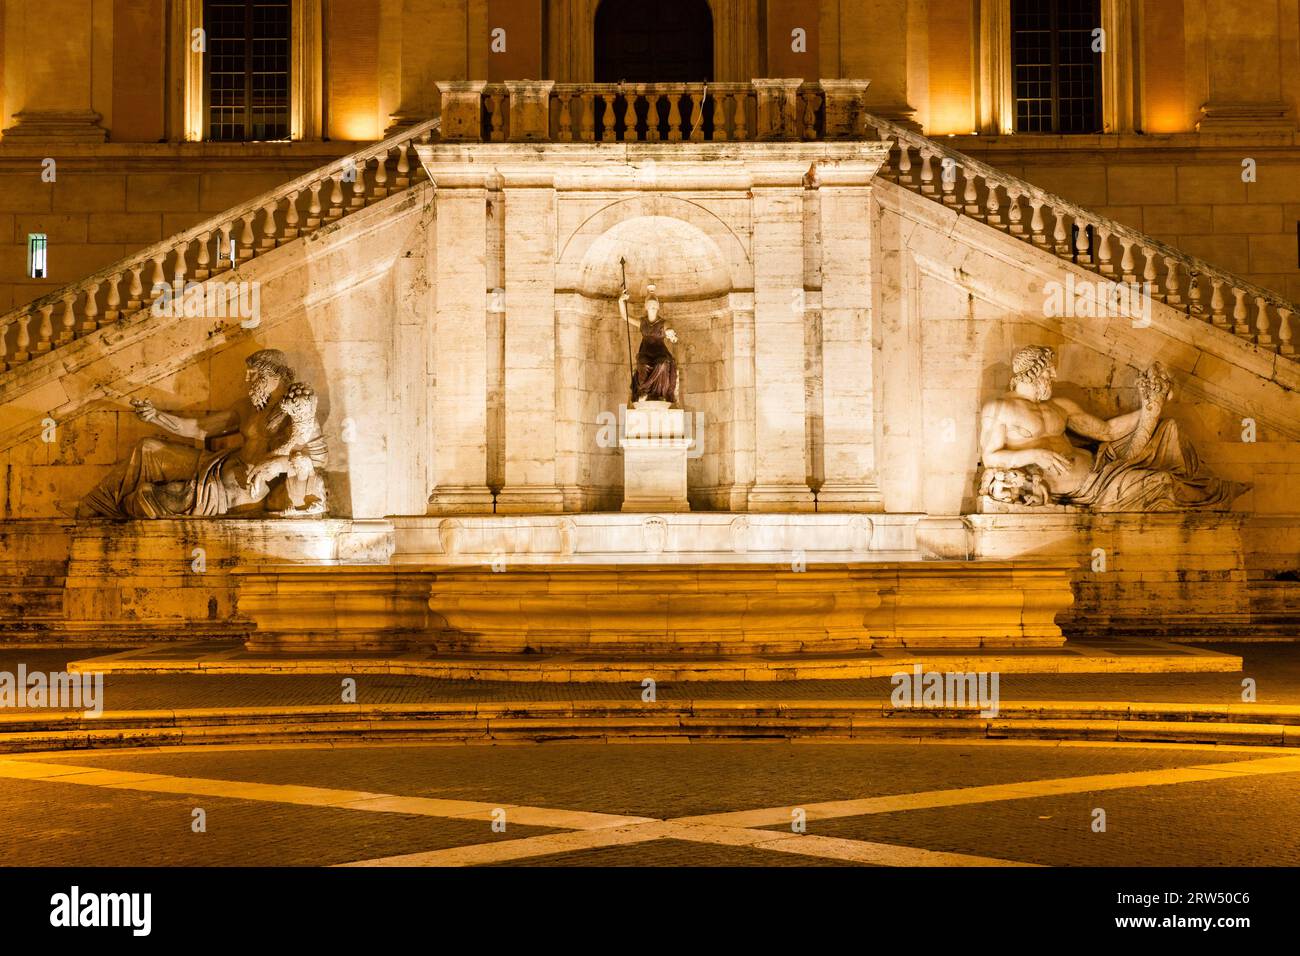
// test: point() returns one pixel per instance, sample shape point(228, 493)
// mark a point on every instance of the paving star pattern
point(558, 834)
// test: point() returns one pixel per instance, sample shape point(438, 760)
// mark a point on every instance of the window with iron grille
point(1056, 76)
point(247, 69)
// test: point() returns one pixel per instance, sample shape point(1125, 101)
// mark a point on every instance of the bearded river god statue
point(272, 469)
point(1141, 463)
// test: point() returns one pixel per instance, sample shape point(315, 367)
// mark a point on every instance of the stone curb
point(633, 722)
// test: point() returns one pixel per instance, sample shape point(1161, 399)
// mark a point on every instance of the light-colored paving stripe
point(881, 854)
point(311, 796)
point(819, 847)
point(548, 844)
point(600, 830)
point(1010, 791)
point(830, 848)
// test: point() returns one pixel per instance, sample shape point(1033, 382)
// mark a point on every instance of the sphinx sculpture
point(274, 467)
point(1141, 464)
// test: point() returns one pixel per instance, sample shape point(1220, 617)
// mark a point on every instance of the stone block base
point(748, 609)
point(301, 610)
point(1161, 575)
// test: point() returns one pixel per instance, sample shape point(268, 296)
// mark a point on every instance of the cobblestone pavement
point(1275, 668)
point(890, 804)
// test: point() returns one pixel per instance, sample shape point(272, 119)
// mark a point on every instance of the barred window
point(1056, 76)
point(246, 69)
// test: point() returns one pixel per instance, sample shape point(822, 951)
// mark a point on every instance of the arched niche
point(693, 282)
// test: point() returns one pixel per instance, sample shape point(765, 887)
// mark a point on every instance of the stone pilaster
point(48, 73)
point(781, 473)
point(530, 411)
point(848, 431)
point(460, 345)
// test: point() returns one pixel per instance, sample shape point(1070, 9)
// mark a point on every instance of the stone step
point(634, 721)
point(30, 596)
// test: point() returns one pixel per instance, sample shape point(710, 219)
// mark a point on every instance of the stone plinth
point(1135, 574)
point(340, 609)
point(748, 609)
point(667, 538)
point(101, 581)
point(655, 447)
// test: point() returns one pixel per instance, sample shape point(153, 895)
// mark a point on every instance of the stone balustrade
point(215, 246)
point(1117, 253)
point(788, 110)
point(763, 109)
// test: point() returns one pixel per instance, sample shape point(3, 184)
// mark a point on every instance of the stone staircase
point(1250, 317)
point(212, 251)
point(699, 720)
point(1255, 316)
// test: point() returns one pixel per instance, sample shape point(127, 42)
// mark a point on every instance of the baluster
point(44, 330)
point(697, 117)
point(1239, 325)
point(225, 248)
point(90, 317)
point(23, 343)
point(403, 168)
point(291, 217)
point(381, 177)
point(4, 344)
point(927, 174)
point(588, 117)
point(1102, 238)
point(1263, 335)
point(113, 301)
point(269, 227)
point(629, 116)
point(1195, 306)
point(180, 268)
point(313, 206)
point(905, 165)
point(203, 261)
point(564, 131)
point(674, 115)
point(1015, 223)
point(358, 197)
point(993, 207)
point(159, 278)
point(1217, 314)
point(970, 197)
point(721, 133)
point(1037, 228)
point(336, 197)
point(246, 235)
point(1172, 295)
point(68, 321)
point(740, 126)
point(1060, 241)
point(1149, 288)
point(1082, 252)
point(610, 134)
point(135, 294)
point(948, 182)
point(1284, 346)
point(1127, 265)
point(652, 115)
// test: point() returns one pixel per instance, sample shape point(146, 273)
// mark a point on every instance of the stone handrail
point(295, 209)
point(966, 185)
point(544, 111)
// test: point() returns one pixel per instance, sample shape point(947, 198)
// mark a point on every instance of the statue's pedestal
point(654, 458)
